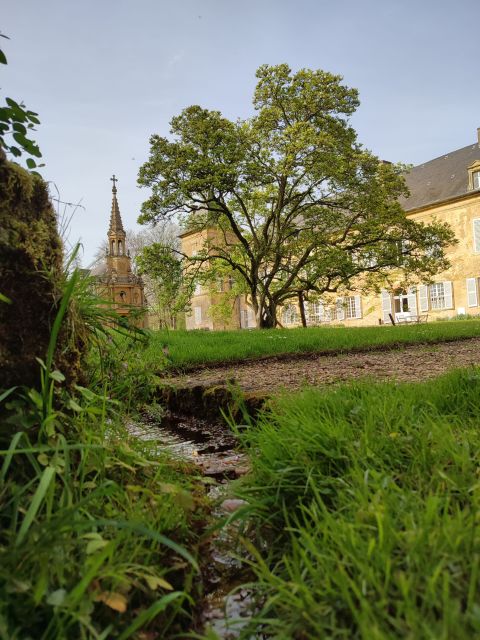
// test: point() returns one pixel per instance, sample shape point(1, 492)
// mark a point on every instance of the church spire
point(115, 218)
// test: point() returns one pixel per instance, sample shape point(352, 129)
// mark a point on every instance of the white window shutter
point(386, 305)
point(448, 293)
point(472, 299)
point(412, 299)
point(340, 309)
point(476, 235)
point(358, 307)
point(423, 297)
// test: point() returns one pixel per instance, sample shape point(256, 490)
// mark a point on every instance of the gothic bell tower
point(118, 259)
point(123, 286)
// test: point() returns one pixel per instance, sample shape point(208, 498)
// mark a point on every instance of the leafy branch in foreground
point(17, 121)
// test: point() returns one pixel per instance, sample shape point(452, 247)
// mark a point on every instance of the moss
point(31, 277)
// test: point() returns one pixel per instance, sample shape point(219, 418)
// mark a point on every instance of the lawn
point(190, 348)
point(366, 500)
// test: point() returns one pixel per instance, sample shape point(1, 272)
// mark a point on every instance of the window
point(315, 312)
point(197, 314)
point(476, 179)
point(198, 289)
point(476, 235)
point(400, 302)
point(349, 308)
point(436, 296)
point(474, 176)
point(330, 314)
point(472, 292)
point(247, 318)
point(289, 314)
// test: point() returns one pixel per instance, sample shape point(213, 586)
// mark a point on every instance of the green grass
point(98, 530)
point(189, 348)
point(367, 503)
point(97, 535)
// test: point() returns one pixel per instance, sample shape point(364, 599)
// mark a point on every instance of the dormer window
point(474, 176)
point(476, 179)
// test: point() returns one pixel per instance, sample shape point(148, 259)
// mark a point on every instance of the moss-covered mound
point(30, 277)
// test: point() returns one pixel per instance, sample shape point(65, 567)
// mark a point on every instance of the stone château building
point(446, 189)
point(117, 282)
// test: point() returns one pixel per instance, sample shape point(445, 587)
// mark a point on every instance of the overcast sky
point(105, 75)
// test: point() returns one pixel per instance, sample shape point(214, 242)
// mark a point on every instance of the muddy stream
point(226, 606)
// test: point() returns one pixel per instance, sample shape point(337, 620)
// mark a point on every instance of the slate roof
point(440, 179)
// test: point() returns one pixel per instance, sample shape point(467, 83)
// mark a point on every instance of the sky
point(105, 75)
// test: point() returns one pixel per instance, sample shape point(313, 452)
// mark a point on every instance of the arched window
point(123, 296)
point(112, 248)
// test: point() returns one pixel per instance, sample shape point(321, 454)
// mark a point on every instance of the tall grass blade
point(9, 454)
point(151, 613)
point(38, 497)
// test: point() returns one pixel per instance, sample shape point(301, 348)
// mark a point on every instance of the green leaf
point(154, 582)
point(73, 404)
point(5, 299)
point(12, 103)
point(20, 138)
point(95, 545)
point(37, 500)
point(57, 598)
point(3, 58)
point(31, 164)
point(15, 151)
point(57, 376)
point(17, 126)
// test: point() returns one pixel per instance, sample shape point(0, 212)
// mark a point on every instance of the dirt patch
point(410, 363)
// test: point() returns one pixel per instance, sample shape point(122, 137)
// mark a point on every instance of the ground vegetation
point(190, 349)
point(366, 499)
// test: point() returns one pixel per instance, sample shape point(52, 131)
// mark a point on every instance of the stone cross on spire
point(116, 225)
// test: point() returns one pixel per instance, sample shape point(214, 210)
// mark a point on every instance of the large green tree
point(301, 208)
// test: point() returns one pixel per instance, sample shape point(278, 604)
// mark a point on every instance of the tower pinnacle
point(116, 225)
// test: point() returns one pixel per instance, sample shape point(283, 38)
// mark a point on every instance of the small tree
point(299, 206)
point(166, 283)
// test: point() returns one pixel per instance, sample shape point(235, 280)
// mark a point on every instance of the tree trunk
point(302, 309)
point(267, 315)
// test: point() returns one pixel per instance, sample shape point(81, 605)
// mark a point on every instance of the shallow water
point(227, 606)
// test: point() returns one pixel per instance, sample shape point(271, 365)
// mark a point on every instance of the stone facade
point(446, 189)
point(117, 282)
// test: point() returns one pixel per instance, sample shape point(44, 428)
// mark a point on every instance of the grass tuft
point(367, 498)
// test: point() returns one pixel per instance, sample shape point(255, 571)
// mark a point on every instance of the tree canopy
point(301, 208)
